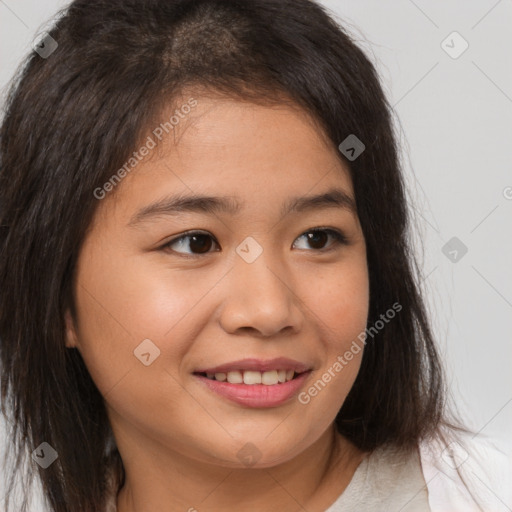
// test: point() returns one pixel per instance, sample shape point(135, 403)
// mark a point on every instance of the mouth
point(252, 377)
point(235, 370)
point(255, 383)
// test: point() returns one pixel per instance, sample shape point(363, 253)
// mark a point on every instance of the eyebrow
point(176, 204)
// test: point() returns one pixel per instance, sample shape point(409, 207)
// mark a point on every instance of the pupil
point(314, 236)
point(200, 243)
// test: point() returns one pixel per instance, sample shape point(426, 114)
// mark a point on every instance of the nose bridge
point(258, 296)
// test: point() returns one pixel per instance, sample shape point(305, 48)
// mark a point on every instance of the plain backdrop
point(455, 110)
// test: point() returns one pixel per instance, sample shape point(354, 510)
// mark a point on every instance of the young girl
point(287, 361)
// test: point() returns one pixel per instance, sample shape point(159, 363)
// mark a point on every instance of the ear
point(71, 337)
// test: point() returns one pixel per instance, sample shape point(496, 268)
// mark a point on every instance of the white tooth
point(281, 375)
point(252, 377)
point(269, 378)
point(235, 377)
point(210, 375)
point(220, 377)
point(289, 374)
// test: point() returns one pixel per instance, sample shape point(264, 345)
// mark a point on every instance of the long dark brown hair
point(72, 119)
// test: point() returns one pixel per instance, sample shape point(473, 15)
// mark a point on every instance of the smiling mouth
point(255, 389)
point(250, 377)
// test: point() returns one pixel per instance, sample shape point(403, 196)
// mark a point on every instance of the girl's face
point(156, 306)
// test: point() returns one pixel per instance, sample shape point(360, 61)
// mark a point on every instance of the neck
point(160, 479)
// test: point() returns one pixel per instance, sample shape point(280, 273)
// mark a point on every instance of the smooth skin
point(202, 305)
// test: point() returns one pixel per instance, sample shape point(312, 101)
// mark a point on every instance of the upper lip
point(259, 365)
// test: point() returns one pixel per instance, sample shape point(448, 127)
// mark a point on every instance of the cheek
point(340, 299)
point(122, 301)
point(129, 304)
point(343, 319)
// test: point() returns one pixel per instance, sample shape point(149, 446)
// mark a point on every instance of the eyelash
point(338, 237)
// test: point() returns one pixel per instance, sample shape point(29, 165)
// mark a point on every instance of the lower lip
point(257, 395)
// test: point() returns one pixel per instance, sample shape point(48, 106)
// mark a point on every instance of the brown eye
point(318, 238)
point(200, 243)
point(197, 243)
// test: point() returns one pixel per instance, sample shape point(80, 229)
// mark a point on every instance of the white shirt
point(427, 480)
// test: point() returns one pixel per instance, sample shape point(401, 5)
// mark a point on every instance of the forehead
point(254, 133)
point(231, 148)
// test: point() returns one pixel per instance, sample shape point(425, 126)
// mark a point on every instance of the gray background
point(455, 124)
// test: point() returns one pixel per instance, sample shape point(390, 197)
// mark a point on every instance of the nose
point(260, 299)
